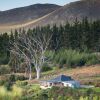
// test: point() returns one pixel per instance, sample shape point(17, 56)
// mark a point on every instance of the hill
point(25, 14)
point(54, 15)
point(69, 12)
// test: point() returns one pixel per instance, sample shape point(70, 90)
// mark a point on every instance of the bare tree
point(32, 49)
point(14, 62)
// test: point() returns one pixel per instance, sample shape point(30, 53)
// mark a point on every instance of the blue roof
point(61, 78)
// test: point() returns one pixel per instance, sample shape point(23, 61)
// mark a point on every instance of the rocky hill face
point(41, 15)
point(25, 14)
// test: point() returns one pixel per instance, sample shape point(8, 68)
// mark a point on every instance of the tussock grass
point(16, 93)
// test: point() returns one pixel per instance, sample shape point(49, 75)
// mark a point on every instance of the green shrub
point(20, 77)
point(50, 55)
point(74, 58)
point(8, 85)
point(14, 78)
point(92, 59)
point(89, 91)
point(2, 82)
point(42, 95)
point(46, 68)
point(21, 83)
point(4, 69)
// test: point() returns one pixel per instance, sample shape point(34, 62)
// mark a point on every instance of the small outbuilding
point(61, 81)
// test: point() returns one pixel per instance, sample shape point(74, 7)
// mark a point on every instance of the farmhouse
point(60, 81)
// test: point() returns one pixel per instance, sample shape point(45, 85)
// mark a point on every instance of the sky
point(9, 4)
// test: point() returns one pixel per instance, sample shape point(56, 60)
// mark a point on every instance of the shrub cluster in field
point(73, 58)
point(58, 93)
point(72, 94)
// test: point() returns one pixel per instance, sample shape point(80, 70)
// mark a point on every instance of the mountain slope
point(69, 12)
point(79, 10)
point(25, 14)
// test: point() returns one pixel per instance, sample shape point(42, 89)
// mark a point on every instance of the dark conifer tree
point(55, 38)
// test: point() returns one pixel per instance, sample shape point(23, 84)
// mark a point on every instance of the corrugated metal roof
point(61, 78)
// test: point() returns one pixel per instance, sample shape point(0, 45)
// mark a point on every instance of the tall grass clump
point(74, 58)
point(50, 55)
point(16, 93)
